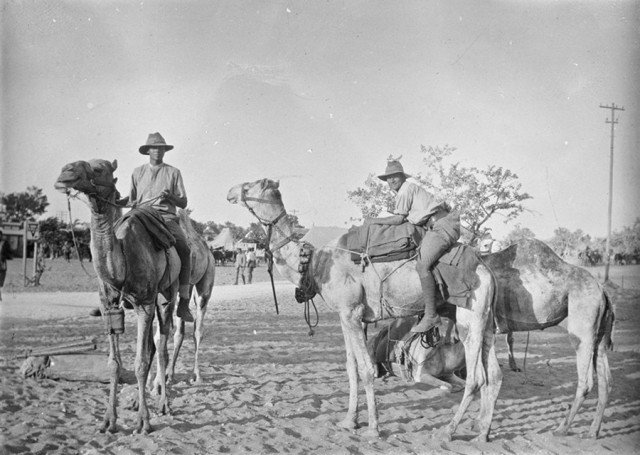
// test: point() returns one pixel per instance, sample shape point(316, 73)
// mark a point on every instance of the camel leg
point(114, 364)
point(427, 378)
point(473, 345)
point(178, 338)
point(584, 360)
point(512, 360)
point(142, 364)
point(352, 324)
point(604, 387)
point(350, 422)
point(202, 300)
point(165, 315)
point(491, 388)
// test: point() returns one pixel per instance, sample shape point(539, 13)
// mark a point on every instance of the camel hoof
point(442, 435)
point(348, 424)
point(560, 432)
point(371, 433)
point(481, 438)
point(108, 427)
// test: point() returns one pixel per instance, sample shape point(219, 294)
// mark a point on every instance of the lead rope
point(269, 255)
point(73, 236)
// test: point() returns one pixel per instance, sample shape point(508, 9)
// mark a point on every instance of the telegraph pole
point(613, 121)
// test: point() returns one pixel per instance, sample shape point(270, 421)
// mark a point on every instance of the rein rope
point(73, 236)
point(271, 225)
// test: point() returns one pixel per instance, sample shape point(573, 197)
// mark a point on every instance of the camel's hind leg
point(480, 358)
point(512, 360)
point(491, 388)
point(583, 336)
point(358, 356)
point(178, 338)
point(202, 300)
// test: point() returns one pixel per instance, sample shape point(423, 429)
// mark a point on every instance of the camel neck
point(286, 257)
point(103, 240)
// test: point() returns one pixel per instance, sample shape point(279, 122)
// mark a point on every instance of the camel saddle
point(455, 271)
point(162, 238)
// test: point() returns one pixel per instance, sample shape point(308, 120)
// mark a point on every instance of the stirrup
point(431, 337)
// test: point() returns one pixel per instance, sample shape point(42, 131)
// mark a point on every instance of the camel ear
point(277, 184)
point(115, 180)
point(114, 164)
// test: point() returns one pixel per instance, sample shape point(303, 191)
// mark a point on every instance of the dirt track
point(270, 388)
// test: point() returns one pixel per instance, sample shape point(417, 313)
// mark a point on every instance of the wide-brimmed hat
point(393, 167)
point(155, 140)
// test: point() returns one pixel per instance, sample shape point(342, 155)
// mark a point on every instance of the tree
point(518, 233)
point(24, 206)
point(53, 233)
point(479, 195)
point(627, 241)
point(569, 244)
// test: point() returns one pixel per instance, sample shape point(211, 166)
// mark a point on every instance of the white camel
point(357, 296)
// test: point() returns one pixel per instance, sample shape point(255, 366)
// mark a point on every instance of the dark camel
point(128, 265)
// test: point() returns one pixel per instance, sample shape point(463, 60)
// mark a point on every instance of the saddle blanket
point(162, 238)
point(384, 243)
point(455, 271)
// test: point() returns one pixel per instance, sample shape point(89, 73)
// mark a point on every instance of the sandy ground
point(270, 388)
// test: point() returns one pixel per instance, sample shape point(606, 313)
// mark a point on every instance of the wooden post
point(35, 258)
point(24, 252)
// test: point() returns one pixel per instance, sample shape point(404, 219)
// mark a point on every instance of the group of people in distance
point(245, 261)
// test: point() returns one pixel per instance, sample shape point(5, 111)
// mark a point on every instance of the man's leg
point(184, 252)
point(432, 247)
point(242, 275)
point(237, 275)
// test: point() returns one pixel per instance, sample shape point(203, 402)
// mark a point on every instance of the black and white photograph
point(319, 227)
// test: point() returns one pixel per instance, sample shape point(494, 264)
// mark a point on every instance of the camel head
point(261, 197)
point(93, 178)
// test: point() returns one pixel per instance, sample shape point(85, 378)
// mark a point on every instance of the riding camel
point(132, 271)
point(357, 294)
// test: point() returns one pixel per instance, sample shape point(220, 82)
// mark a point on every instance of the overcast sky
point(318, 94)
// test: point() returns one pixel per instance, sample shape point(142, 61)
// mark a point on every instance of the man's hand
point(166, 194)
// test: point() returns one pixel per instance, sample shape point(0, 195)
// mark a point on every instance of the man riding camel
point(419, 207)
point(160, 186)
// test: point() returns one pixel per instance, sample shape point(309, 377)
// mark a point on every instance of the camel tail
point(605, 331)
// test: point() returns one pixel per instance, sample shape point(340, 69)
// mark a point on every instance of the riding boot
point(430, 318)
point(183, 304)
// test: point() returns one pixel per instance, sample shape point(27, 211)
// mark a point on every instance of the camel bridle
point(270, 225)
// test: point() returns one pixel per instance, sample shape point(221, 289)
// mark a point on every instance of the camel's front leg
point(352, 326)
point(350, 422)
point(144, 353)
point(114, 365)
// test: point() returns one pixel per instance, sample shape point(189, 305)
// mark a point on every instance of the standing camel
point(536, 290)
point(203, 271)
point(358, 295)
point(128, 266)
